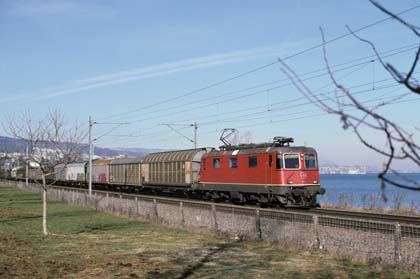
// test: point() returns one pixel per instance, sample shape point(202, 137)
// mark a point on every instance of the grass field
point(88, 244)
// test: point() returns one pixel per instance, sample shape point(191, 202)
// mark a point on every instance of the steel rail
point(415, 220)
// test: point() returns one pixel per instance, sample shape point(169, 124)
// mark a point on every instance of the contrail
point(155, 71)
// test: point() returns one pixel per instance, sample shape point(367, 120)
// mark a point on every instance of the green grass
point(85, 243)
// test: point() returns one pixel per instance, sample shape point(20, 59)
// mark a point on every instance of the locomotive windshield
point(291, 161)
point(279, 161)
point(310, 161)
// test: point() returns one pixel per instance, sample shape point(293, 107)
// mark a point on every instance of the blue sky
point(109, 58)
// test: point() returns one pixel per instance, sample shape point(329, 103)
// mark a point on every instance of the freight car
point(35, 174)
point(72, 174)
point(125, 172)
point(173, 169)
point(100, 171)
point(18, 173)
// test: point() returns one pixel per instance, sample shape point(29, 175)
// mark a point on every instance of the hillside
point(12, 145)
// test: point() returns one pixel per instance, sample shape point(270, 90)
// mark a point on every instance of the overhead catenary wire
point(277, 103)
point(241, 118)
point(265, 123)
point(391, 85)
point(206, 105)
point(368, 59)
point(316, 46)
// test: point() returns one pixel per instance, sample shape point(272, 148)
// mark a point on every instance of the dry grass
point(371, 203)
point(89, 244)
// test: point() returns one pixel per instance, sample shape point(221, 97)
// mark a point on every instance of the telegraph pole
point(195, 133)
point(195, 125)
point(92, 147)
point(27, 163)
point(90, 155)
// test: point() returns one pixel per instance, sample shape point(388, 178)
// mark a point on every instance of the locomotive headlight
point(315, 181)
point(290, 182)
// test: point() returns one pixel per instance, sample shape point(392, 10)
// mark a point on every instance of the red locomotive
point(263, 173)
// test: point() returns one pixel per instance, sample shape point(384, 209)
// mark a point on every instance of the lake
point(364, 191)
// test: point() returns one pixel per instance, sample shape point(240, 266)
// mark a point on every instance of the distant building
point(343, 170)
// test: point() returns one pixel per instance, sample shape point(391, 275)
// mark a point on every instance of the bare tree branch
point(406, 79)
point(399, 144)
point(49, 143)
point(413, 28)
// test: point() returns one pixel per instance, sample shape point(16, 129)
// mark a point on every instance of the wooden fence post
point(213, 211)
point(181, 208)
point(155, 210)
point(258, 224)
point(317, 243)
point(397, 245)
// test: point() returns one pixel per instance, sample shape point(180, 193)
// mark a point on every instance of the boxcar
point(60, 172)
point(18, 172)
point(173, 168)
point(35, 174)
point(76, 172)
point(100, 171)
point(125, 171)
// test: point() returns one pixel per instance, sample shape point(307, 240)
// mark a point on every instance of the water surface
point(365, 191)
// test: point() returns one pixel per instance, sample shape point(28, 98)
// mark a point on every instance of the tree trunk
point(44, 206)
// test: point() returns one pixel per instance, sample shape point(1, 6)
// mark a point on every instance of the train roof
point(77, 164)
point(126, 161)
point(256, 150)
point(178, 155)
point(101, 162)
point(74, 164)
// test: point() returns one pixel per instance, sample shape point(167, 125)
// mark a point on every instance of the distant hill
point(12, 145)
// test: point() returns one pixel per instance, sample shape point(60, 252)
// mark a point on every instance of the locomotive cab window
point(291, 161)
point(279, 161)
point(310, 161)
point(216, 163)
point(252, 161)
point(233, 163)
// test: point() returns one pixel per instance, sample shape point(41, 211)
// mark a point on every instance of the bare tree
point(49, 143)
point(360, 117)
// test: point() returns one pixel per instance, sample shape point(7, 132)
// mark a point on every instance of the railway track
point(382, 217)
point(362, 216)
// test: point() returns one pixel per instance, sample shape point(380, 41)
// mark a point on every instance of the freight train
point(265, 174)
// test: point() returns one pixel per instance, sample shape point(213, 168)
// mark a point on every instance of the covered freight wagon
point(18, 172)
point(60, 172)
point(125, 171)
point(36, 174)
point(100, 171)
point(76, 172)
point(173, 168)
